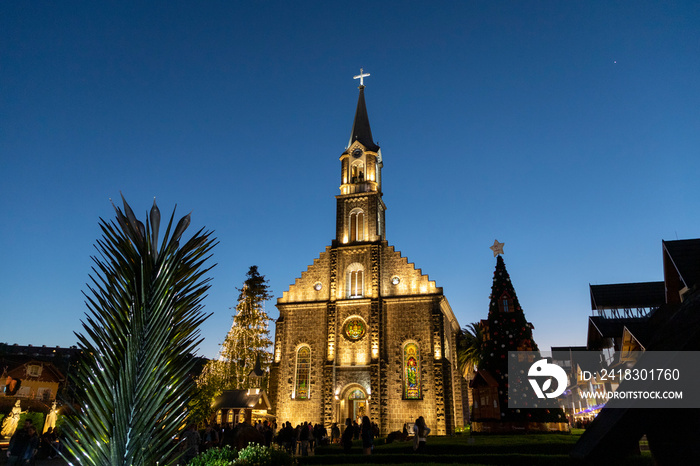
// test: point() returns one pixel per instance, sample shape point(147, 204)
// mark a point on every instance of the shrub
point(258, 455)
point(215, 457)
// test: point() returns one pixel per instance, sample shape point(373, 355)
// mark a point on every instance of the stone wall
point(411, 280)
point(303, 288)
point(407, 319)
point(303, 324)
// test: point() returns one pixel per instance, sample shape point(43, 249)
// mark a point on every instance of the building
point(363, 331)
point(234, 406)
point(650, 316)
point(41, 372)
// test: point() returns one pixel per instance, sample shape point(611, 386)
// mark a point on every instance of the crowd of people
point(300, 440)
point(26, 445)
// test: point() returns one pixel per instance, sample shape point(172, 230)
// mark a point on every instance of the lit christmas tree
point(247, 342)
point(506, 329)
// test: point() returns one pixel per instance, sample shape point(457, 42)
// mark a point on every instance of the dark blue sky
point(568, 130)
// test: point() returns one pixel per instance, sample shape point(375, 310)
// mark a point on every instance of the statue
point(51, 418)
point(9, 425)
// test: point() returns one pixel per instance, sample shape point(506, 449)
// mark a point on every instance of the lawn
point(520, 450)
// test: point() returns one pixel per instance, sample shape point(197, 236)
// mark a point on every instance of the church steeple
point(361, 130)
point(360, 216)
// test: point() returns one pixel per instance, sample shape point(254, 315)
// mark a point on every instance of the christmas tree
point(247, 343)
point(506, 329)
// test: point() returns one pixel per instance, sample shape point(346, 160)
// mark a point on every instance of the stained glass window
point(411, 369)
point(303, 373)
point(357, 395)
point(354, 329)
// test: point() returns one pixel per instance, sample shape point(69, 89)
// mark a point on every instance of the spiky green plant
point(469, 348)
point(144, 310)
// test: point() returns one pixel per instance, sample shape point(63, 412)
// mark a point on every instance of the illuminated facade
point(363, 331)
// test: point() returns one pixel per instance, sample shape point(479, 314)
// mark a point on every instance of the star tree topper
point(497, 248)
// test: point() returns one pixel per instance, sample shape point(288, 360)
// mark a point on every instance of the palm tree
point(145, 307)
point(469, 348)
point(469, 351)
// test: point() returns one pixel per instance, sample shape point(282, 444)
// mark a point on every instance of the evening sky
point(567, 129)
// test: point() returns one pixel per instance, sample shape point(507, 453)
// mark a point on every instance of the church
point(363, 331)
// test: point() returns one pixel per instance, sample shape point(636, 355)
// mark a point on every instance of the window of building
point(357, 173)
point(34, 370)
point(355, 281)
point(411, 372)
point(302, 389)
point(505, 303)
point(43, 394)
point(357, 225)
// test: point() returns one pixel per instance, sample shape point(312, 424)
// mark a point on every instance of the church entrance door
point(357, 405)
point(353, 404)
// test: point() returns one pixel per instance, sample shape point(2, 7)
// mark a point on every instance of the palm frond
point(144, 309)
point(469, 348)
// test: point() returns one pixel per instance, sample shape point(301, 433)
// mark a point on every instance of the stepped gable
point(302, 290)
point(412, 279)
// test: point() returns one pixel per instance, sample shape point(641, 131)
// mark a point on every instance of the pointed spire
point(360, 126)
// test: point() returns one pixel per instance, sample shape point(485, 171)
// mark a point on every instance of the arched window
point(302, 379)
point(355, 281)
point(357, 225)
point(411, 372)
point(357, 174)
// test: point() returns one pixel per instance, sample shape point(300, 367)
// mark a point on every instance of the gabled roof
point(485, 376)
point(628, 295)
point(685, 257)
point(242, 399)
point(361, 131)
point(49, 372)
point(600, 328)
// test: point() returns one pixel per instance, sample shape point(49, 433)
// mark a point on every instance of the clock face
point(357, 153)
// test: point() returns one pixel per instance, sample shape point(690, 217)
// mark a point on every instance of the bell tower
point(360, 209)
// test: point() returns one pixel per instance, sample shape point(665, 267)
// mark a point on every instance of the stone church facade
point(363, 331)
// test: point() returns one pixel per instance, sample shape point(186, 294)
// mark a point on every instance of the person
point(267, 433)
point(335, 433)
point(347, 436)
point(367, 436)
point(211, 438)
point(420, 433)
point(32, 446)
point(287, 437)
point(46, 444)
point(18, 445)
point(304, 439)
point(190, 443)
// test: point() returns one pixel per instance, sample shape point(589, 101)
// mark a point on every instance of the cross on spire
point(361, 77)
